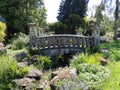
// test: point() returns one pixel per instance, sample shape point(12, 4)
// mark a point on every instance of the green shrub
point(93, 75)
point(94, 49)
point(20, 42)
point(43, 62)
point(74, 84)
point(58, 28)
point(85, 58)
point(8, 69)
point(21, 72)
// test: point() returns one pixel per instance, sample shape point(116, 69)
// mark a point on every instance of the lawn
point(114, 49)
point(113, 83)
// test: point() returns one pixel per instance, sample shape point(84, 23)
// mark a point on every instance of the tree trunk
point(116, 20)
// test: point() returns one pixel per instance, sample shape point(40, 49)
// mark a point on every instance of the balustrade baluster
point(61, 41)
point(83, 42)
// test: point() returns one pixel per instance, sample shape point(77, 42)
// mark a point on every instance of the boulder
point(104, 50)
point(23, 82)
point(103, 61)
point(73, 73)
point(63, 73)
point(43, 85)
point(34, 73)
point(22, 64)
point(34, 58)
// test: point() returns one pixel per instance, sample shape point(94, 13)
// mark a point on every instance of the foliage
point(106, 25)
point(110, 7)
point(98, 13)
point(20, 42)
point(17, 17)
point(94, 49)
point(68, 7)
point(88, 31)
point(2, 30)
point(74, 84)
point(43, 62)
point(85, 58)
point(21, 72)
point(113, 55)
point(73, 22)
point(58, 28)
point(93, 75)
point(2, 19)
point(113, 50)
point(8, 68)
point(71, 13)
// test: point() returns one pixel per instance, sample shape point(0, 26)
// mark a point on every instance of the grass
point(113, 83)
point(114, 49)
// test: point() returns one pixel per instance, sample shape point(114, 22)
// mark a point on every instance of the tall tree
point(74, 22)
point(72, 7)
point(116, 20)
point(116, 15)
point(18, 13)
point(98, 13)
point(68, 7)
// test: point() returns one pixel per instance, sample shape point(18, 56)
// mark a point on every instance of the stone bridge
point(62, 43)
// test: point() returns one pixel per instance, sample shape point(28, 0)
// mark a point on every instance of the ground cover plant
point(91, 75)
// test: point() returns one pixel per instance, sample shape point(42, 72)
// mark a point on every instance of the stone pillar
point(96, 34)
point(32, 32)
point(32, 29)
point(79, 31)
point(41, 31)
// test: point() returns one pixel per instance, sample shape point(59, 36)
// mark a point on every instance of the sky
point(52, 7)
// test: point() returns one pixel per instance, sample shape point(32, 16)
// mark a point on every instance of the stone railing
point(62, 41)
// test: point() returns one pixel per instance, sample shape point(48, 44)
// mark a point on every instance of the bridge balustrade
point(62, 41)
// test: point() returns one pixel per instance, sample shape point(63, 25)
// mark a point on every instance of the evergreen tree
point(71, 13)
point(68, 7)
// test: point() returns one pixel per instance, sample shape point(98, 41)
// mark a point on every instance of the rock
point(2, 48)
point(104, 50)
point(23, 82)
point(20, 55)
point(63, 73)
point(102, 40)
point(42, 85)
point(22, 64)
point(73, 73)
point(1, 44)
point(103, 61)
point(34, 73)
point(34, 58)
point(53, 74)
